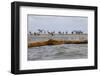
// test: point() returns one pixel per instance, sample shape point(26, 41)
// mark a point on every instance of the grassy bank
point(56, 42)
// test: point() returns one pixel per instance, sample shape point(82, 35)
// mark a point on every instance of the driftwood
point(56, 42)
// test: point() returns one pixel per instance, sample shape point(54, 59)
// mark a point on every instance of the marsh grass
point(56, 42)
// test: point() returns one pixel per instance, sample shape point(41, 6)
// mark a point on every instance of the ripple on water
point(64, 51)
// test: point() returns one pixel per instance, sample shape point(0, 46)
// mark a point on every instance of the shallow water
point(58, 37)
point(54, 52)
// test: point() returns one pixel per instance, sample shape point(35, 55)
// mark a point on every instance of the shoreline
point(55, 42)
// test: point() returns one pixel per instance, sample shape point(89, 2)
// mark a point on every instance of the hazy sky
point(57, 23)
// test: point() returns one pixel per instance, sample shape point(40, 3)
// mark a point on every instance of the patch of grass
point(56, 42)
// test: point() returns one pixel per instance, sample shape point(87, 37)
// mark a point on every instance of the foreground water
point(54, 52)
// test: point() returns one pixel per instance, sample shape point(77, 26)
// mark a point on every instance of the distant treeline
point(40, 31)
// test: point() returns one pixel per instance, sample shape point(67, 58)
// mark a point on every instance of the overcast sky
point(57, 23)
